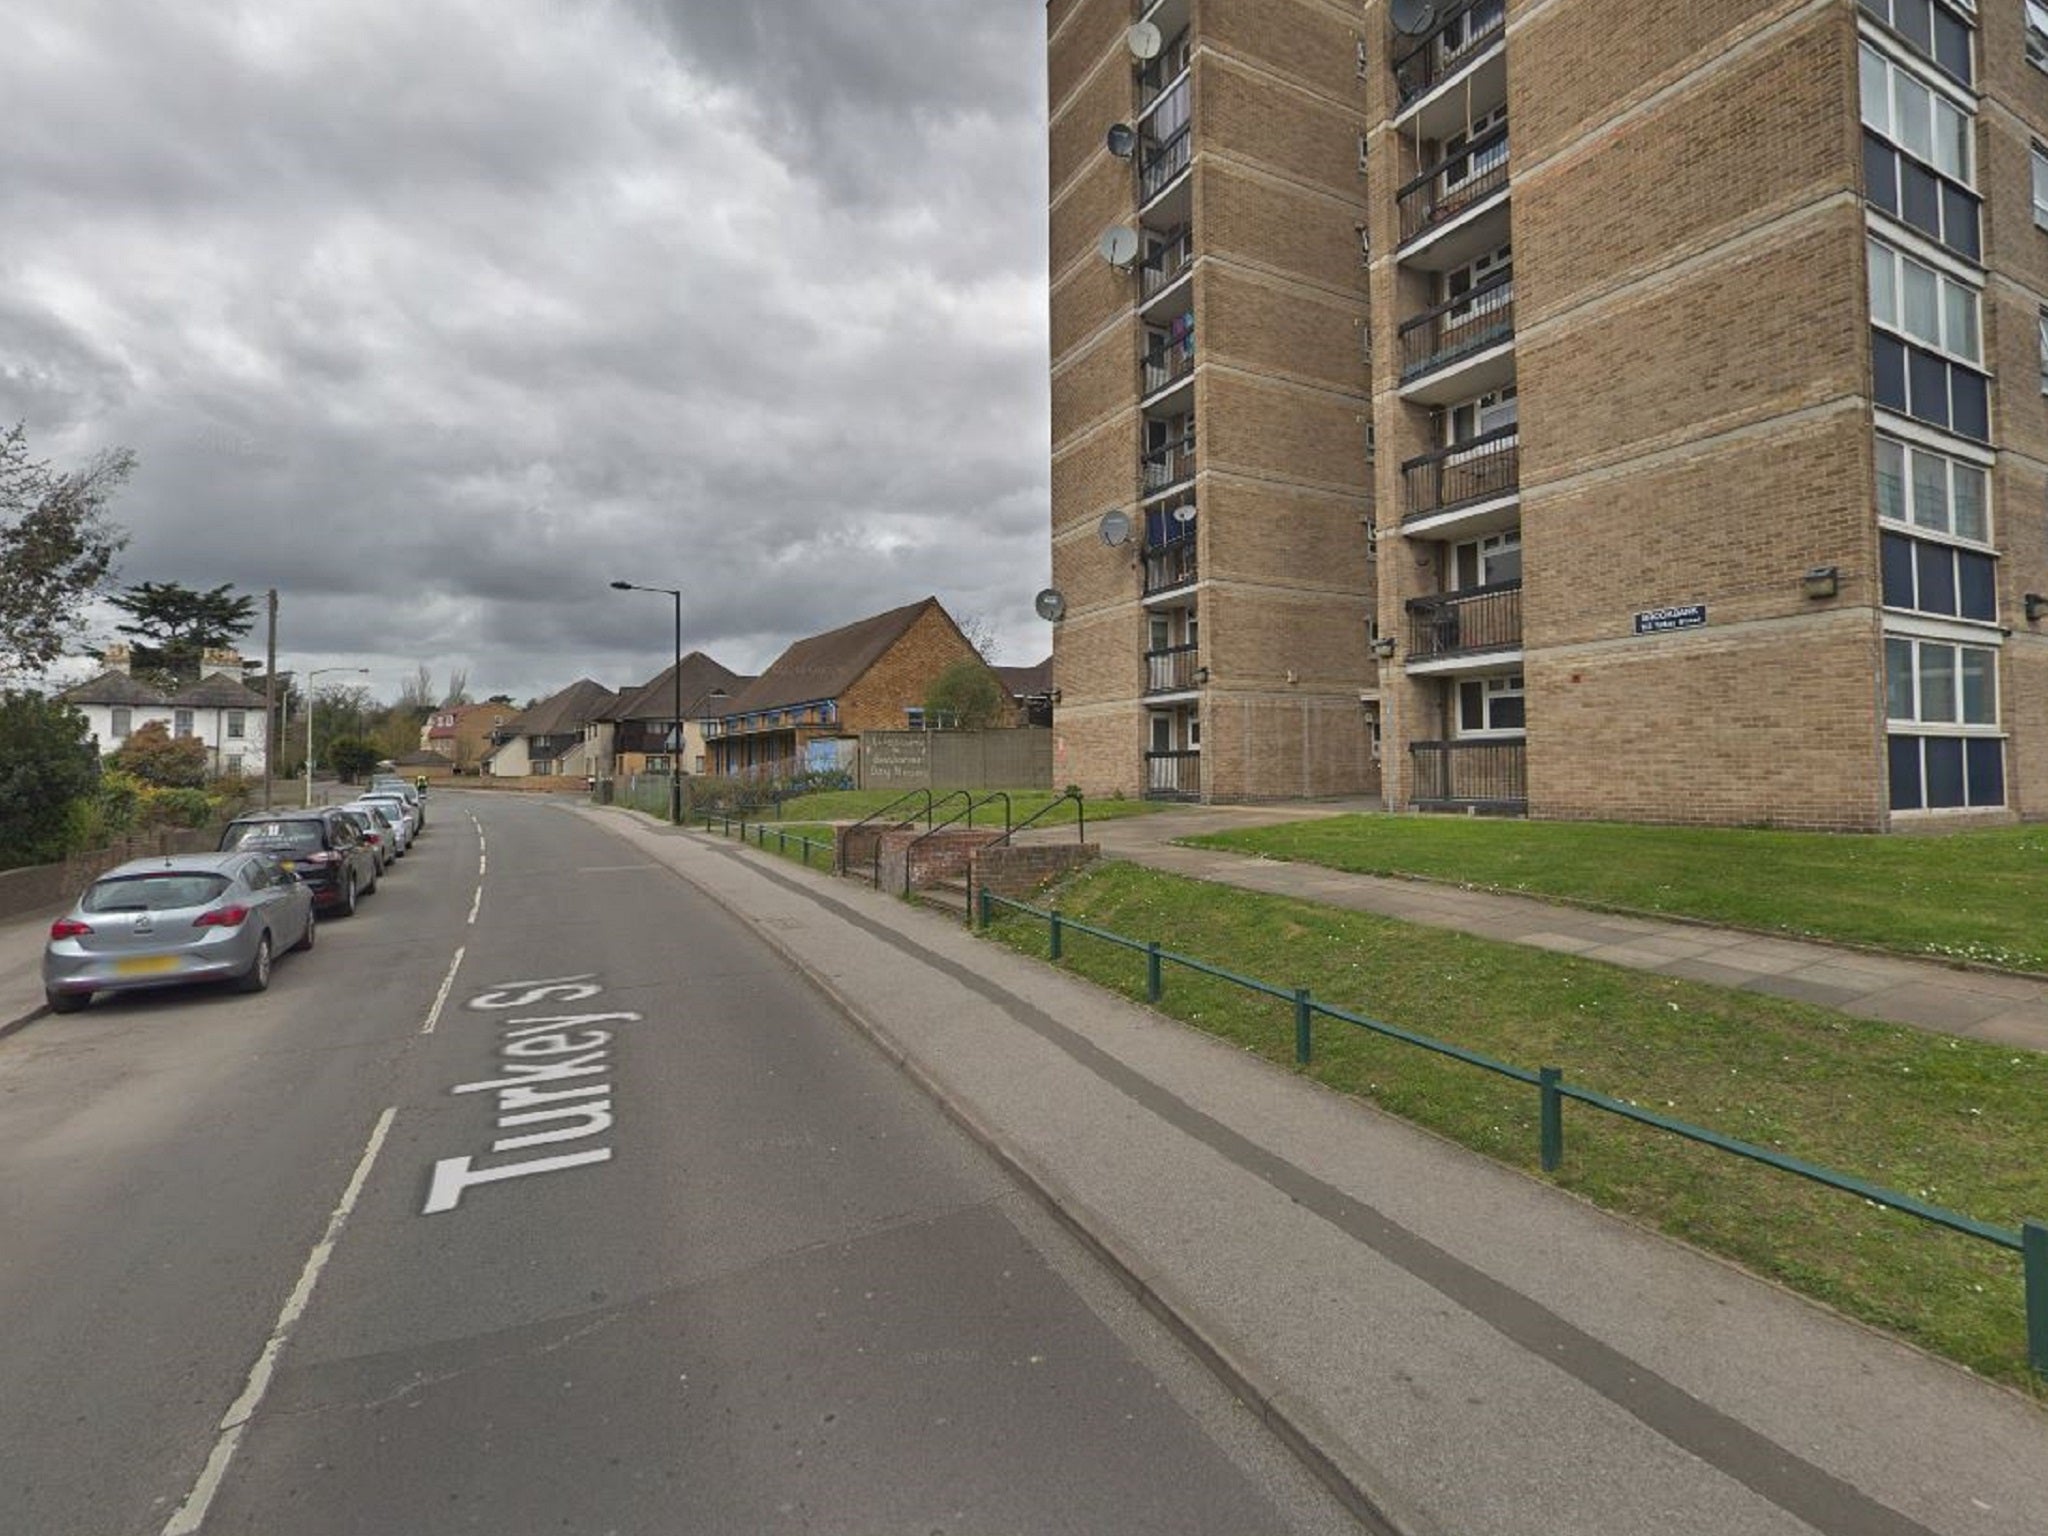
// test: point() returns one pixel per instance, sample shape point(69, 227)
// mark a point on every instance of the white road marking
point(191, 1514)
point(482, 864)
point(441, 997)
point(475, 902)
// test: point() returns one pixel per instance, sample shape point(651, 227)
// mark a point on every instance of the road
point(542, 1196)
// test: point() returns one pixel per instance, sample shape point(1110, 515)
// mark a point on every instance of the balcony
point(1169, 567)
point(1471, 328)
point(1171, 670)
point(1464, 34)
point(1166, 363)
point(1164, 162)
point(1455, 184)
point(1474, 775)
point(1164, 468)
point(1173, 775)
point(1480, 469)
point(1157, 76)
point(1163, 268)
point(1476, 621)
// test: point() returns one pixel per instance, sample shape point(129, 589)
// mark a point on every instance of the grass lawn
point(1957, 1123)
point(1968, 896)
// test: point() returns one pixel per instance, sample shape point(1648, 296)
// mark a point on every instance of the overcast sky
point(439, 316)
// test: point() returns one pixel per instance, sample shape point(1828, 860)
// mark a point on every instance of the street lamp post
point(675, 757)
point(309, 720)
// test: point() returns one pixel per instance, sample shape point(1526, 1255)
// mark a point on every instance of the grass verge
point(1954, 1122)
point(1968, 896)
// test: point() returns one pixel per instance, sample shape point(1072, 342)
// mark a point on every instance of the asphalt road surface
point(542, 1197)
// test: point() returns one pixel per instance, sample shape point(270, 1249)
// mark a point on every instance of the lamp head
point(622, 586)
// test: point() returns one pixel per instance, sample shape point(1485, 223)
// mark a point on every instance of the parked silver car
point(416, 797)
point(167, 921)
point(400, 813)
point(376, 828)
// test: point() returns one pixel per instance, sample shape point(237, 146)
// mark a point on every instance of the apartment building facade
point(1210, 405)
point(1712, 446)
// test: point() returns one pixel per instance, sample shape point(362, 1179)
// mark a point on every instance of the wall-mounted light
point(2037, 605)
point(1821, 580)
point(1201, 676)
point(1383, 647)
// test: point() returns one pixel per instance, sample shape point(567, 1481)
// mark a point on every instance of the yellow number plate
point(145, 965)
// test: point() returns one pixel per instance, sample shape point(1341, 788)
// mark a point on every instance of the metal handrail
point(1470, 296)
point(2030, 1240)
point(930, 809)
point(973, 805)
point(908, 795)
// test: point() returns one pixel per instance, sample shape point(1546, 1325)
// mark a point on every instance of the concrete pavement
point(1457, 1347)
point(1980, 1004)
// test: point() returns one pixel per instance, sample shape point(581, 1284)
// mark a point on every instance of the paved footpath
point(1980, 1004)
point(1463, 1350)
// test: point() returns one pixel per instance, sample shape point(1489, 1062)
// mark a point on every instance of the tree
point(351, 757)
point(980, 632)
point(174, 626)
point(458, 688)
point(154, 756)
point(965, 695)
point(56, 547)
point(46, 767)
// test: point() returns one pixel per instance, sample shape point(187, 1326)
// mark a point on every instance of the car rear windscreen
point(275, 835)
point(159, 892)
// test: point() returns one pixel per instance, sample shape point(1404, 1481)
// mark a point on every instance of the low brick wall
point(45, 888)
point(1020, 872)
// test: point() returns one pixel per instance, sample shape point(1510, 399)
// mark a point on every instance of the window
point(1929, 387)
point(181, 722)
point(1477, 417)
point(1487, 562)
point(1943, 773)
point(1937, 682)
point(1931, 492)
point(234, 766)
point(1461, 166)
point(1935, 28)
point(238, 725)
point(2042, 323)
point(2041, 186)
point(1490, 704)
point(657, 763)
point(122, 723)
point(2037, 33)
point(1922, 121)
point(1938, 578)
point(1929, 306)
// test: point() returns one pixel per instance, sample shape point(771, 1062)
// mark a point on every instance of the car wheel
point(348, 893)
point(67, 1002)
point(257, 977)
point(375, 874)
point(312, 925)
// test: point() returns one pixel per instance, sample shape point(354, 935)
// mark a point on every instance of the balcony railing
point(1473, 773)
point(1479, 318)
point(1170, 565)
point(1457, 623)
point(1168, 363)
point(1159, 271)
point(1173, 775)
point(1455, 183)
point(1171, 670)
point(1167, 466)
point(1464, 33)
point(1164, 162)
point(1477, 469)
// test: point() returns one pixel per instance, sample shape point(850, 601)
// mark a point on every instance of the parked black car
point(321, 846)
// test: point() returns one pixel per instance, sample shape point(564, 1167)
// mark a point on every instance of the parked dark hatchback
point(321, 846)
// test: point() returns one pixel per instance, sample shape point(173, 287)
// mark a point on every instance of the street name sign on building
point(1658, 620)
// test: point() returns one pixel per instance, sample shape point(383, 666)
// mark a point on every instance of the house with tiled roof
point(806, 712)
point(1030, 689)
point(636, 734)
point(549, 739)
point(461, 733)
point(217, 710)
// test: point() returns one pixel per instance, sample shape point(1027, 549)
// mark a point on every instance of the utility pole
point(272, 737)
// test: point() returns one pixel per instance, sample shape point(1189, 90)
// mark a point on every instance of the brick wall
point(903, 675)
point(1022, 872)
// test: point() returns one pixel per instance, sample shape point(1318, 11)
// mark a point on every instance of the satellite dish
point(1414, 17)
point(1118, 245)
point(1184, 514)
point(1145, 41)
point(1114, 528)
point(1121, 140)
point(1051, 605)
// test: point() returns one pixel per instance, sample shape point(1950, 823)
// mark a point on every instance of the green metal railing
point(2030, 1241)
point(764, 833)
